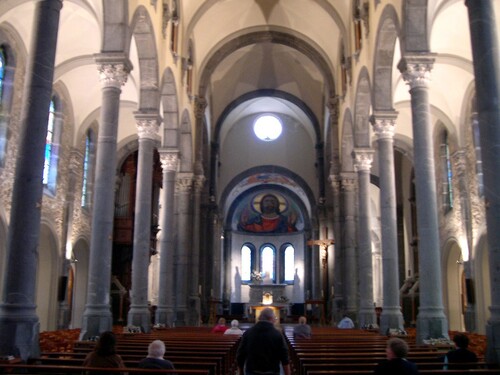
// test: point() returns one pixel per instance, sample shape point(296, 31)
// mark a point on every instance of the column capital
point(113, 69)
point(199, 181)
point(148, 126)
point(416, 69)
point(348, 181)
point(200, 104)
point(169, 159)
point(334, 180)
point(333, 104)
point(384, 124)
point(184, 182)
point(363, 158)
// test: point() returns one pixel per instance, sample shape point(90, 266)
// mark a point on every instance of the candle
point(211, 292)
point(199, 290)
point(322, 294)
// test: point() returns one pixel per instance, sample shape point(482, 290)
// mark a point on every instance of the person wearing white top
point(234, 330)
point(346, 323)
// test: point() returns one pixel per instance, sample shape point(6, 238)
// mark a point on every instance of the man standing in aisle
point(263, 348)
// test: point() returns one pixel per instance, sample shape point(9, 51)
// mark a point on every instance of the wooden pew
point(62, 370)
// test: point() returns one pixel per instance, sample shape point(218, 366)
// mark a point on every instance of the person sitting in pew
point(104, 354)
point(396, 363)
point(220, 327)
point(155, 360)
point(234, 330)
point(460, 354)
point(346, 323)
point(302, 330)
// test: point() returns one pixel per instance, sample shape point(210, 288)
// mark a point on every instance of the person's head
point(396, 348)
point(461, 341)
point(234, 323)
point(267, 315)
point(106, 344)
point(269, 204)
point(156, 349)
point(302, 320)
point(221, 322)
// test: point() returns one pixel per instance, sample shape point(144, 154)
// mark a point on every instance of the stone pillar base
point(19, 331)
point(366, 317)
point(140, 316)
point(391, 318)
point(194, 311)
point(470, 318)
point(165, 316)
point(431, 324)
point(180, 318)
point(96, 319)
point(493, 342)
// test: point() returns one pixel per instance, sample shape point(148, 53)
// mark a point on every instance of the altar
point(276, 308)
point(258, 291)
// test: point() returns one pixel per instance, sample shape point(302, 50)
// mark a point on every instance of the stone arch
point(46, 285)
point(415, 26)
point(80, 267)
point(453, 278)
point(186, 144)
point(116, 33)
point(329, 9)
point(143, 33)
point(256, 37)
point(347, 144)
point(170, 110)
point(387, 33)
point(362, 107)
point(272, 93)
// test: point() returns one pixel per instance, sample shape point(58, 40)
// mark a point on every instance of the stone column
point(165, 310)
point(148, 131)
point(338, 285)
point(383, 127)
point(484, 39)
point(184, 189)
point(194, 264)
point(348, 186)
point(362, 164)
point(431, 321)
point(113, 69)
point(19, 324)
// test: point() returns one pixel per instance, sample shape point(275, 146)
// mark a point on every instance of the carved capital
point(384, 124)
point(184, 183)
point(199, 182)
point(200, 104)
point(148, 127)
point(169, 160)
point(348, 181)
point(113, 69)
point(363, 158)
point(416, 70)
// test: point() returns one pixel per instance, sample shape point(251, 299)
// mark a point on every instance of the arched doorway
point(46, 287)
point(454, 276)
point(80, 267)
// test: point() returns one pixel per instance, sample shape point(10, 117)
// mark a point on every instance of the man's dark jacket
point(397, 366)
point(262, 348)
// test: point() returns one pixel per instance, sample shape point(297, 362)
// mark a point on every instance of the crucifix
point(323, 248)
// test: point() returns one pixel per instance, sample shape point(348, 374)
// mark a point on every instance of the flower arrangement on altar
point(257, 277)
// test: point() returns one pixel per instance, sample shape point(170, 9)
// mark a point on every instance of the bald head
point(267, 315)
